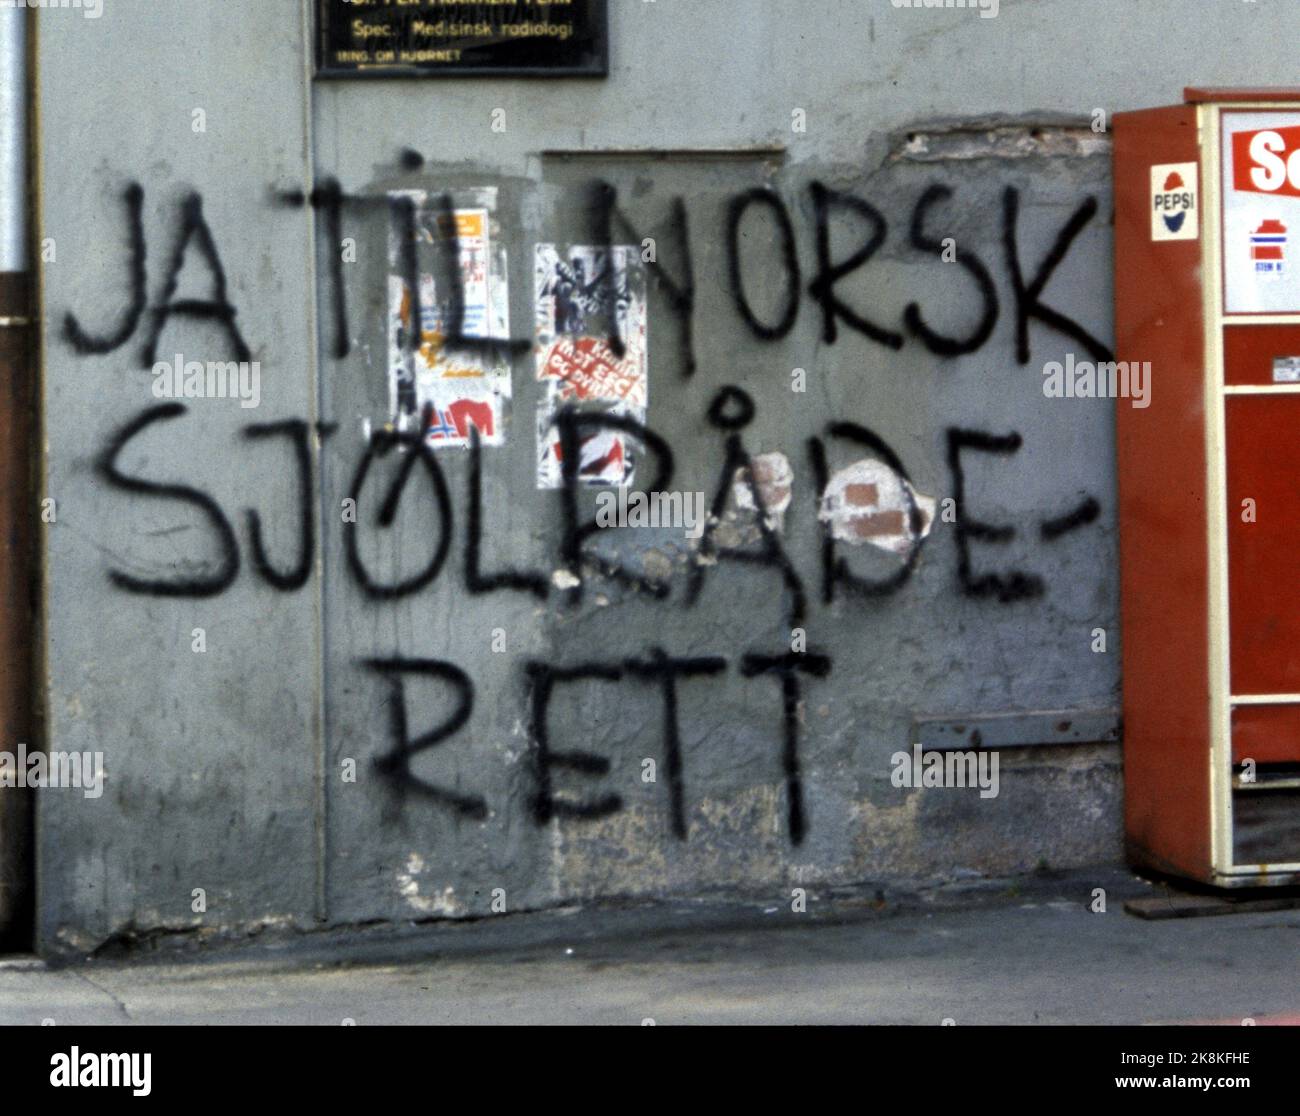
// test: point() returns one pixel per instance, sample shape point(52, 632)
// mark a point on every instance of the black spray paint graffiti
point(730, 412)
point(660, 668)
point(542, 680)
point(397, 764)
point(300, 435)
point(546, 762)
point(666, 671)
point(572, 425)
point(382, 442)
point(1015, 585)
point(604, 216)
point(218, 308)
point(787, 667)
point(476, 581)
point(227, 568)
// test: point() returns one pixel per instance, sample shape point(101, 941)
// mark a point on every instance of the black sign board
point(451, 38)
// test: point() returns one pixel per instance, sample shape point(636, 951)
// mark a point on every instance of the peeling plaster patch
point(737, 837)
point(728, 536)
point(563, 579)
point(775, 480)
point(77, 940)
point(439, 903)
point(658, 566)
point(867, 502)
point(998, 139)
point(512, 753)
point(806, 874)
point(885, 838)
point(651, 553)
point(756, 812)
point(622, 854)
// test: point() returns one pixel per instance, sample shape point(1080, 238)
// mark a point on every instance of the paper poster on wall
point(1261, 212)
point(447, 389)
point(583, 294)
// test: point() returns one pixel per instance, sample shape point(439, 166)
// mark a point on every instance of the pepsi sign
point(1174, 209)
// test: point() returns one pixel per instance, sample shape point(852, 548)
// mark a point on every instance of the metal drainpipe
point(18, 511)
point(13, 140)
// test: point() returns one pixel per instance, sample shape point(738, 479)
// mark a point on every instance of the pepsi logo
point(1174, 202)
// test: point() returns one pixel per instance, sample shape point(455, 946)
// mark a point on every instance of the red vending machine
point(1207, 301)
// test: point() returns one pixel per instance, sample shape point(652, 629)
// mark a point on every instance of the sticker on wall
point(449, 390)
point(1261, 206)
point(583, 295)
point(1175, 213)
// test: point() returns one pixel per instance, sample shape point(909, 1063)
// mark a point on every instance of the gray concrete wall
point(226, 768)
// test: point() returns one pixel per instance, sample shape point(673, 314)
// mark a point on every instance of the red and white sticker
point(1175, 208)
point(1267, 161)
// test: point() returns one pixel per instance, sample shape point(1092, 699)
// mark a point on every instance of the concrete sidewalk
point(1022, 952)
